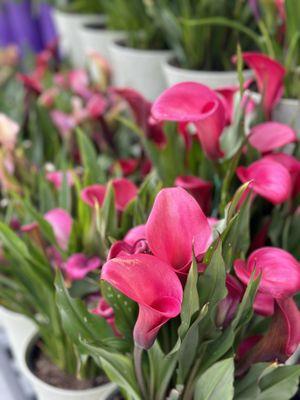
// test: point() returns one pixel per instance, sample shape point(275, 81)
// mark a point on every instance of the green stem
point(138, 353)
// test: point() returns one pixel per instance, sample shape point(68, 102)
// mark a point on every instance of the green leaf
point(246, 388)
point(217, 382)
point(280, 384)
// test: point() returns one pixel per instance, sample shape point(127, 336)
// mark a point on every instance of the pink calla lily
point(151, 283)
point(269, 136)
point(269, 179)
point(96, 106)
point(269, 76)
point(57, 178)
point(61, 223)
point(228, 306)
point(193, 102)
point(200, 189)
point(124, 189)
point(78, 266)
point(280, 271)
point(9, 130)
point(175, 224)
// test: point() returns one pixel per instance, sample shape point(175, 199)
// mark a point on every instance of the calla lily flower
point(57, 178)
point(104, 310)
point(151, 283)
point(280, 271)
point(61, 223)
point(65, 123)
point(175, 225)
point(279, 343)
point(125, 191)
point(269, 76)
point(198, 188)
point(193, 102)
point(9, 130)
point(78, 266)
point(96, 106)
point(269, 179)
point(269, 136)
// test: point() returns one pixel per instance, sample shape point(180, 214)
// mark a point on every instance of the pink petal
point(135, 234)
point(200, 189)
point(227, 95)
point(269, 136)
point(264, 304)
point(65, 123)
point(125, 191)
point(78, 266)
point(269, 179)
point(57, 178)
point(9, 130)
point(61, 223)
point(93, 195)
point(96, 106)
point(280, 271)
point(128, 165)
point(193, 102)
point(175, 224)
point(291, 316)
point(153, 285)
point(269, 76)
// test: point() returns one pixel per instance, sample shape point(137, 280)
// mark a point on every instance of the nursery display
point(149, 235)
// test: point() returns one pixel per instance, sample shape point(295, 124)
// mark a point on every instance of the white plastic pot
point(139, 69)
point(95, 38)
point(68, 26)
point(44, 391)
point(287, 111)
point(213, 79)
point(18, 329)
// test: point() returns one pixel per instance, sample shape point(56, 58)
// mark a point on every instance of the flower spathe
point(175, 225)
point(9, 130)
point(269, 76)
point(280, 271)
point(151, 283)
point(269, 136)
point(269, 179)
point(78, 266)
point(194, 102)
point(61, 223)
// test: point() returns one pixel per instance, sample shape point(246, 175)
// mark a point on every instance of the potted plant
point(197, 31)
point(69, 16)
point(137, 59)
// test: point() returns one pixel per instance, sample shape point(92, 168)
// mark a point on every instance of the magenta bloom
point(269, 76)
point(105, 311)
point(175, 224)
point(125, 191)
point(96, 106)
point(198, 188)
point(193, 102)
point(135, 234)
point(65, 123)
point(78, 266)
point(269, 179)
point(93, 195)
point(61, 223)
point(151, 283)
point(57, 178)
point(279, 343)
point(280, 271)
point(269, 136)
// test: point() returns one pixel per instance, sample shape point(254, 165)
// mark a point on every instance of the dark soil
point(45, 370)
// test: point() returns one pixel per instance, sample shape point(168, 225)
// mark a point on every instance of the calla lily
point(125, 191)
point(198, 188)
point(9, 130)
point(151, 283)
point(269, 179)
point(93, 195)
point(280, 271)
point(269, 76)
point(279, 343)
point(78, 81)
point(228, 306)
point(104, 310)
point(65, 123)
point(269, 136)
point(292, 165)
point(61, 223)
point(127, 165)
point(96, 106)
point(135, 234)
point(78, 266)
point(193, 102)
point(175, 224)
point(57, 178)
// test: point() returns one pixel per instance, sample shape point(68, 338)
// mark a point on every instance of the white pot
point(68, 26)
point(44, 391)
point(213, 79)
point(139, 69)
point(97, 39)
point(287, 111)
point(18, 329)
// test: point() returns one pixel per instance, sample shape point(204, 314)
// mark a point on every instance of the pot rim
point(28, 347)
point(125, 49)
point(169, 67)
point(69, 14)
